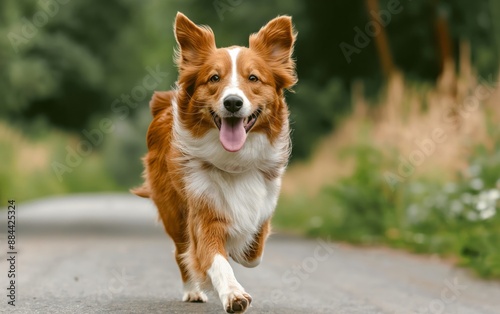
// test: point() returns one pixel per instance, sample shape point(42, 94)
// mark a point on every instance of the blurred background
point(396, 137)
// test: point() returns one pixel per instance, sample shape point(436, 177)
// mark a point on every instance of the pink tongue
point(232, 134)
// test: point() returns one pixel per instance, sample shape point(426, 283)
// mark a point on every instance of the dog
point(218, 145)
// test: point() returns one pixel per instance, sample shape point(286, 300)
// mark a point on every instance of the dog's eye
point(214, 78)
point(253, 78)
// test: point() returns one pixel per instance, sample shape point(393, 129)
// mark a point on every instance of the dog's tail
point(142, 191)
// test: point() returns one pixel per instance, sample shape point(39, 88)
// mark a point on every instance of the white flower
point(481, 205)
point(493, 195)
point(487, 213)
point(476, 184)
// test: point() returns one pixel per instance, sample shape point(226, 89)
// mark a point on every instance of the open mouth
point(233, 130)
point(248, 122)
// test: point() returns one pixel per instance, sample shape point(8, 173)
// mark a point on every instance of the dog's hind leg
point(176, 227)
point(192, 286)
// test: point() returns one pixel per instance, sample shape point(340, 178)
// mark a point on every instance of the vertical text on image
point(11, 252)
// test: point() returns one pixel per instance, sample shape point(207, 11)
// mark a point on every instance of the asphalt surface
point(107, 253)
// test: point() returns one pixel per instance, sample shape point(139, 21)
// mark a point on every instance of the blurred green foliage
point(26, 173)
point(61, 60)
point(458, 219)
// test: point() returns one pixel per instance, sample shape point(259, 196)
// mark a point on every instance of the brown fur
point(198, 231)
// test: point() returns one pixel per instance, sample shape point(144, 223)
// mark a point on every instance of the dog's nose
point(233, 103)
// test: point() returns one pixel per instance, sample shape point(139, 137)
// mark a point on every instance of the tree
point(59, 58)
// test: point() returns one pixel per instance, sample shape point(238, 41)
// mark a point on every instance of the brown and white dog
point(218, 146)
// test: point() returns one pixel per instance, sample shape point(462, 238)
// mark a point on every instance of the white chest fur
point(247, 199)
point(236, 184)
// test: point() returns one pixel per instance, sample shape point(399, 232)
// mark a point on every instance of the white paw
point(236, 301)
point(192, 293)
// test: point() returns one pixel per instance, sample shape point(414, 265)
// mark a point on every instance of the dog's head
point(236, 90)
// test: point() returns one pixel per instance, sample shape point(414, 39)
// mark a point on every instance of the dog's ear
point(195, 42)
point(274, 42)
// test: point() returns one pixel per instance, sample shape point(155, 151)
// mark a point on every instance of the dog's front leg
point(232, 295)
point(208, 233)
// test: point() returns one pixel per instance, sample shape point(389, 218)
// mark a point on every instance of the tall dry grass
point(462, 106)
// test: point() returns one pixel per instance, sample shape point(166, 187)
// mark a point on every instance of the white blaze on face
point(233, 53)
point(232, 130)
point(233, 87)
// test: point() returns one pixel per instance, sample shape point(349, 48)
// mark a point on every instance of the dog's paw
point(192, 293)
point(194, 296)
point(237, 302)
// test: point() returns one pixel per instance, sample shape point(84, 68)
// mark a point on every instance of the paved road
point(106, 253)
